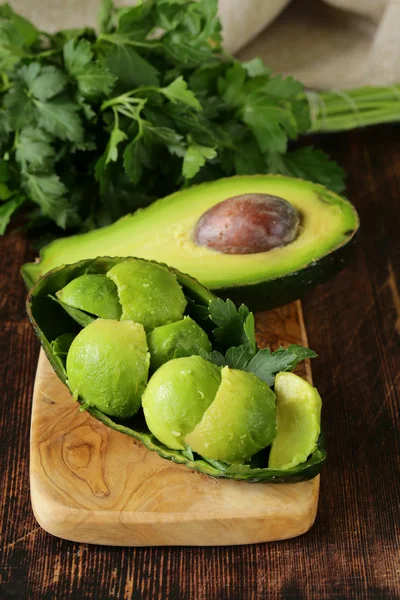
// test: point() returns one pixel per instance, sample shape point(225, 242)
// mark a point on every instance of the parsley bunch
point(96, 125)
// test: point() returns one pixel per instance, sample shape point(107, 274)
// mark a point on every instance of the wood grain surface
point(92, 484)
point(352, 551)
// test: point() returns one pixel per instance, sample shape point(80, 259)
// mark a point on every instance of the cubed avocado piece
point(148, 293)
point(240, 422)
point(261, 240)
point(107, 366)
point(183, 336)
point(93, 293)
point(176, 397)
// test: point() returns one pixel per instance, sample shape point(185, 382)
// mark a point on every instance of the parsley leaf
point(309, 163)
point(7, 209)
point(49, 193)
point(168, 137)
point(15, 29)
point(117, 136)
point(178, 91)
point(131, 69)
point(33, 147)
point(49, 82)
point(235, 326)
point(266, 364)
point(255, 67)
point(93, 79)
point(237, 357)
point(42, 82)
point(20, 110)
point(217, 358)
point(135, 159)
point(77, 55)
point(196, 157)
point(105, 15)
point(60, 118)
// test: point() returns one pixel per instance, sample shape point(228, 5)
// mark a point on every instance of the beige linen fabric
point(330, 44)
point(337, 44)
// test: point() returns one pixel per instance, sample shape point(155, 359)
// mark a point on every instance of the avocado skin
point(293, 286)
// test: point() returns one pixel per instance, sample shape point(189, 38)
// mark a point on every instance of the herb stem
point(122, 40)
point(124, 99)
point(343, 110)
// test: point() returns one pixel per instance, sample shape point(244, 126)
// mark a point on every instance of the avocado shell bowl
point(176, 230)
point(50, 321)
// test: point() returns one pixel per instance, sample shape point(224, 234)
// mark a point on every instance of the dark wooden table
point(352, 551)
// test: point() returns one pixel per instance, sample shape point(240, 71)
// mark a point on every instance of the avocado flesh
point(176, 397)
point(94, 294)
point(298, 421)
point(107, 366)
point(239, 423)
point(184, 336)
point(148, 293)
point(164, 232)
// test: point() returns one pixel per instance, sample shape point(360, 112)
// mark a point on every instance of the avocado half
point(164, 232)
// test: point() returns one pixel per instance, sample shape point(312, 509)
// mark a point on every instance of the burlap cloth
point(325, 44)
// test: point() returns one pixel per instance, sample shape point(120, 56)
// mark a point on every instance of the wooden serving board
point(92, 484)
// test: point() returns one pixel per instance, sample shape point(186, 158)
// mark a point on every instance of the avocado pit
point(248, 224)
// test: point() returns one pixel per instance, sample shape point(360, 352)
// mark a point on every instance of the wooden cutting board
point(92, 484)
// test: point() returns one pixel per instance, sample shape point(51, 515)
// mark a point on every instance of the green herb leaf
point(77, 55)
point(5, 192)
point(256, 67)
point(4, 171)
point(248, 159)
point(48, 192)
point(282, 87)
point(105, 15)
point(237, 357)
point(93, 79)
point(8, 209)
point(129, 67)
point(231, 86)
point(168, 137)
point(195, 158)
point(15, 29)
point(20, 108)
point(117, 136)
point(135, 158)
point(49, 82)
point(135, 23)
point(215, 357)
point(60, 118)
point(309, 163)
point(33, 147)
point(266, 364)
point(235, 326)
point(267, 124)
point(178, 91)
point(28, 73)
